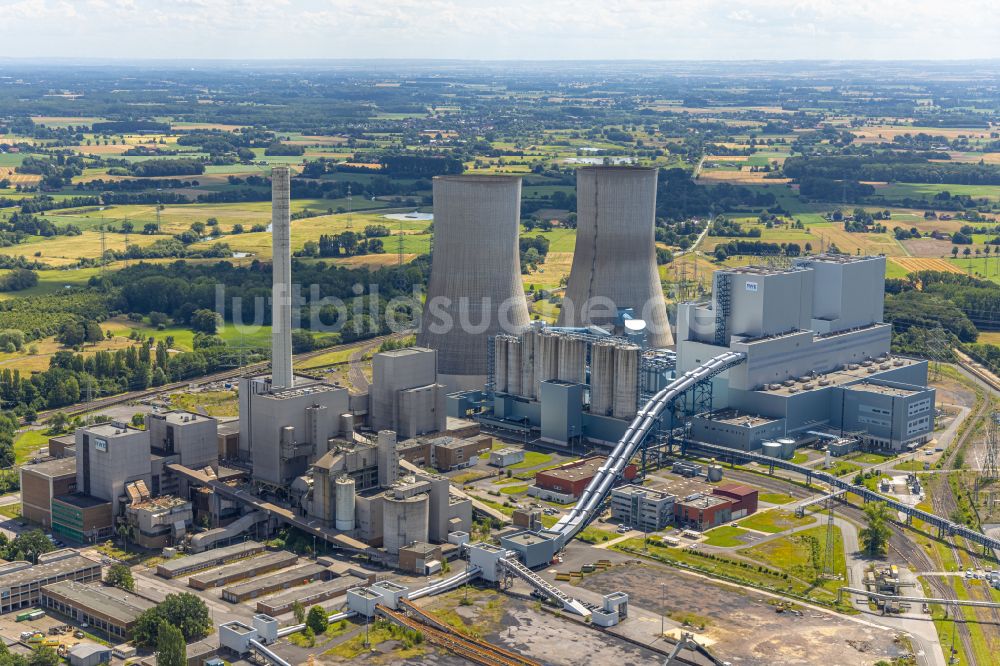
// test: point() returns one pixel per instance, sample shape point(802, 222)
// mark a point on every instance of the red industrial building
point(572, 478)
point(744, 498)
point(703, 512)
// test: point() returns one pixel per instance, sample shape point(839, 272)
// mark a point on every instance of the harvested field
point(742, 176)
point(912, 264)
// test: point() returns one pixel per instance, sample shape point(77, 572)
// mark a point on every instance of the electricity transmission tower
point(829, 565)
point(991, 457)
point(349, 206)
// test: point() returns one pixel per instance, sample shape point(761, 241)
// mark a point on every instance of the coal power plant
point(614, 264)
point(475, 290)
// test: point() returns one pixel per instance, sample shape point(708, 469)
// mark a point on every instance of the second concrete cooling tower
point(475, 288)
point(614, 263)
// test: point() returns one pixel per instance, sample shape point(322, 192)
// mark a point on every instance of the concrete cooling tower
point(615, 257)
point(475, 288)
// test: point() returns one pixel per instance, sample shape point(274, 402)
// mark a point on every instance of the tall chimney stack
point(281, 288)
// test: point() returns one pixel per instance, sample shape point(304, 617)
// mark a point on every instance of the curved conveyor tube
point(597, 490)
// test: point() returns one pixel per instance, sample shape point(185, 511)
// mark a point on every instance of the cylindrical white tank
point(615, 254)
point(345, 497)
point(475, 289)
point(626, 381)
point(602, 378)
point(500, 362)
point(771, 449)
point(514, 366)
point(787, 447)
point(546, 359)
point(572, 360)
point(404, 520)
point(715, 472)
point(528, 363)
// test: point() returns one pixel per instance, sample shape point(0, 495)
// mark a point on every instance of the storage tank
point(528, 363)
point(715, 472)
point(546, 358)
point(500, 362)
point(475, 289)
point(404, 520)
point(572, 360)
point(615, 254)
point(787, 447)
point(344, 492)
point(626, 381)
point(771, 449)
point(514, 366)
point(602, 378)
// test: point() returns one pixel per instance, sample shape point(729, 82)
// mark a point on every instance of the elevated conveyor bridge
point(645, 423)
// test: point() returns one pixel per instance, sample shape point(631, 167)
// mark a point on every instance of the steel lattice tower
point(991, 458)
point(829, 553)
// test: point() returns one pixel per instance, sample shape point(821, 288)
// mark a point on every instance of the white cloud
point(492, 29)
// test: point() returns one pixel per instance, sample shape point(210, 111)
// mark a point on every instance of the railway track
point(476, 651)
point(121, 398)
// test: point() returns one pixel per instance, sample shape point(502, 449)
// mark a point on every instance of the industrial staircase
point(513, 566)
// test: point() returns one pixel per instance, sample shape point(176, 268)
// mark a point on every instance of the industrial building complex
point(778, 358)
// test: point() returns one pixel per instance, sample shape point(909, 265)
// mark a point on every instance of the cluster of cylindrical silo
point(614, 262)
point(475, 290)
point(614, 379)
point(523, 362)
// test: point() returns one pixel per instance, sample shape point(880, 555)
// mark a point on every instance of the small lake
point(410, 217)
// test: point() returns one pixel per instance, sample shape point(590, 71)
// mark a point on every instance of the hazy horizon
point(516, 30)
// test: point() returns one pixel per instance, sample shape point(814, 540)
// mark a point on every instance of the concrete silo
point(345, 499)
point(572, 360)
point(514, 351)
point(614, 263)
point(528, 344)
point(602, 375)
point(626, 395)
point(546, 359)
point(405, 519)
point(475, 288)
point(500, 360)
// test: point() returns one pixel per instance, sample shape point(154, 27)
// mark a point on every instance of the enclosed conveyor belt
point(592, 499)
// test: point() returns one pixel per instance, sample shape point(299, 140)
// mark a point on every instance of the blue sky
point(502, 29)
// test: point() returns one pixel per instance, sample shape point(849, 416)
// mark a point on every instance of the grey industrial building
point(815, 344)
point(109, 456)
point(182, 437)
point(22, 582)
point(108, 610)
point(282, 431)
point(475, 289)
point(614, 260)
point(405, 395)
point(642, 508)
point(183, 566)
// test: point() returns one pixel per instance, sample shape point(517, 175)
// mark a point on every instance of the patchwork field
point(912, 264)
